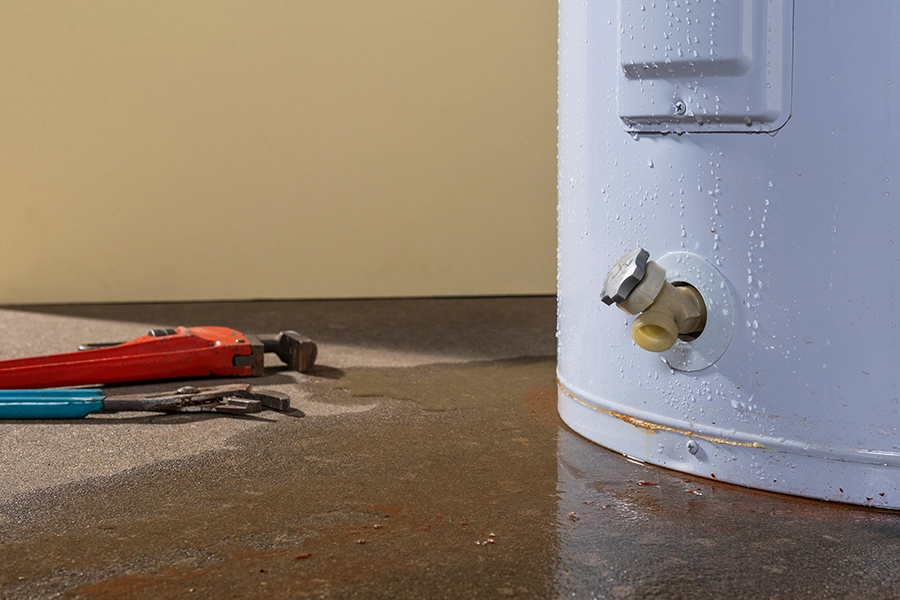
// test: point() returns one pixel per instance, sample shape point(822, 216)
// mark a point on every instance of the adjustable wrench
point(235, 399)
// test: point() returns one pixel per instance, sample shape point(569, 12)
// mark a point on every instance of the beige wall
point(188, 149)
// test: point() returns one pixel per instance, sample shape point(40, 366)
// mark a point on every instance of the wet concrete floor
point(423, 459)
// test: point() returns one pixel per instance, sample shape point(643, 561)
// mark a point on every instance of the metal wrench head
point(294, 350)
point(230, 399)
point(268, 398)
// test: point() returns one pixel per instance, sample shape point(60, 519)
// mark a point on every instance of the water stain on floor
point(443, 481)
point(447, 488)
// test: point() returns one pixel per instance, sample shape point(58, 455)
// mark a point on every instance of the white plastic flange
point(709, 347)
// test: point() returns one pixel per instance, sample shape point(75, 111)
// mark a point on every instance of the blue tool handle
point(49, 404)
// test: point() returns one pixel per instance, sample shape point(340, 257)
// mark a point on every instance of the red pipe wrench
point(162, 354)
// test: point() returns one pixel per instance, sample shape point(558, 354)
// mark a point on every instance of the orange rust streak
point(654, 427)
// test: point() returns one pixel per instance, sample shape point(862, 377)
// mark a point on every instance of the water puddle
point(455, 500)
point(447, 480)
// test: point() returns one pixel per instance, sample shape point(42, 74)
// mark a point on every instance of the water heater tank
point(747, 150)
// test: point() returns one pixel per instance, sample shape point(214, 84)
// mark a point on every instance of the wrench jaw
point(294, 350)
point(237, 406)
point(297, 352)
point(236, 399)
point(267, 398)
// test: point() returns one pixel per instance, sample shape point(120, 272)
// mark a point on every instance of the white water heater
point(746, 152)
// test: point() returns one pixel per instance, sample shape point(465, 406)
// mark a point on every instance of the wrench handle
point(49, 404)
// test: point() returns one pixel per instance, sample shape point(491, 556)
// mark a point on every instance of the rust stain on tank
point(654, 427)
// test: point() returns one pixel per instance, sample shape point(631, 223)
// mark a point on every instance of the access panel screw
point(680, 108)
point(693, 447)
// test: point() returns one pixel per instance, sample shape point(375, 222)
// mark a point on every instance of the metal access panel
point(704, 65)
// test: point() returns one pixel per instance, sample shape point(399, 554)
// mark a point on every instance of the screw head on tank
point(693, 447)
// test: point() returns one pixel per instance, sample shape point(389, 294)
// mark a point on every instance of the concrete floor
point(423, 459)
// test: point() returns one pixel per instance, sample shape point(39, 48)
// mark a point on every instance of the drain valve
point(666, 311)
